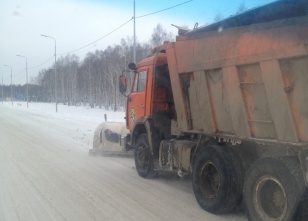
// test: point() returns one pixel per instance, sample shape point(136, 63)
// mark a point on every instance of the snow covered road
point(46, 174)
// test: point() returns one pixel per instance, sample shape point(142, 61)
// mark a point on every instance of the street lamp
point(55, 69)
point(134, 33)
point(11, 83)
point(26, 78)
point(2, 88)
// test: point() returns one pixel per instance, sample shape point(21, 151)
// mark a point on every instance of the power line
point(164, 9)
point(16, 74)
point(125, 24)
point(41, 63)
point(83, 46)
point(99, 38)
point(112, 32)
point(7, 78)
point(20, 72)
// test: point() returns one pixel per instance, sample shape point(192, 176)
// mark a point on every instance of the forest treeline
point(92, 80)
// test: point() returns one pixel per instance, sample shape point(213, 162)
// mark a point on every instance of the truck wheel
point(301, 213)
point(273, 189)
point(143, 158)
point(216, 184)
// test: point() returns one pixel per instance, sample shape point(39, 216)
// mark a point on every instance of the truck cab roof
point(156, 59)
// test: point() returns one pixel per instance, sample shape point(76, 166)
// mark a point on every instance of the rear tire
point(273, 189)
point(216, 183)
point(302, 211)
point(143, 158)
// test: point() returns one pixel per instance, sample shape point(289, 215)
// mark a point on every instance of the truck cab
point(150, 98)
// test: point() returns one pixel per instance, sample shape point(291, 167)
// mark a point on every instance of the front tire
point(273, 189)
point(216, 183)
point(144, 161)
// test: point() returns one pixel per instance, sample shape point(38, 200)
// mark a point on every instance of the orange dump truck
point(228, 103)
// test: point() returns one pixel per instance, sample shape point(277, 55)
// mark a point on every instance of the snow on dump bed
point(77, 122)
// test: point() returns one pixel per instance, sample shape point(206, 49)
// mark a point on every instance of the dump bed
point(244, 81)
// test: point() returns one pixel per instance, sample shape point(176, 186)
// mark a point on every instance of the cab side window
point(140, 81)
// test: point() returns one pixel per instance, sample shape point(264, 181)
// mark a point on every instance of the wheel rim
point(142, 157)
point(270, 198)
point(209, 180)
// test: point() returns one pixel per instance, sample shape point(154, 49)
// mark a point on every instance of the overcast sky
point(76, 23)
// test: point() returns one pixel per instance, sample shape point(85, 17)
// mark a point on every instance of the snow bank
point(78, 122)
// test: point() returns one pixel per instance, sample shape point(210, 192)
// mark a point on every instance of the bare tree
point(160, 35)
point(241, 8)
point(218, 17)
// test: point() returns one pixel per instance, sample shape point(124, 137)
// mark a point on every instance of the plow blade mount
point(110, 138)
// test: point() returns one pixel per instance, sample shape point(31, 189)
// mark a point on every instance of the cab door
point(137, 98)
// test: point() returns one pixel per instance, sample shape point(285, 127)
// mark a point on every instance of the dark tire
point(301, 213)
point(143, 158)
point(216, 184)
point(273, 189)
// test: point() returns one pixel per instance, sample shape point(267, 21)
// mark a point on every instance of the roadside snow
point(79, 122)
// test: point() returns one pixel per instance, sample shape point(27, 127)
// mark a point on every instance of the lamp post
point(11, 83)
point(26, 78)
point(134, 33)
point(2, 88)
point(55, 69)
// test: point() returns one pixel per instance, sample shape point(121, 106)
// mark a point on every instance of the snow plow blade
point(110, 138)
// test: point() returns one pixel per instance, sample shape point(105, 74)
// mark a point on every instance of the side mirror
point(132, 66)
point(122, 85)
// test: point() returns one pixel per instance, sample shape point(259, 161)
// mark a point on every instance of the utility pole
point(26, 78)
point(11, 83)
point(55, 70)
point(115, 94)
point(134, 33)
point(2, 88)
